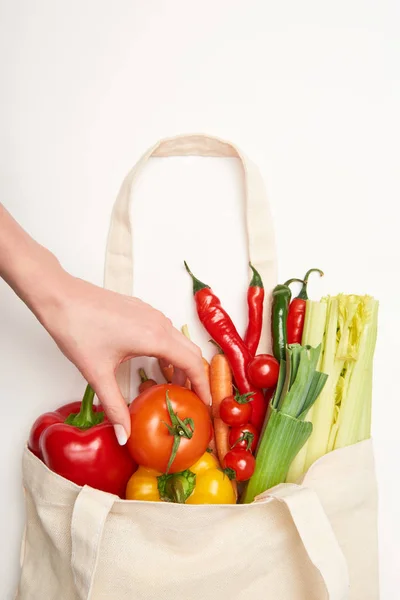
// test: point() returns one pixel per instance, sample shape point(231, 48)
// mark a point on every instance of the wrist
point(40, 281)
point(32, 271)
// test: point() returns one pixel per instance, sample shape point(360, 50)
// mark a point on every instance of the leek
point(286, 430)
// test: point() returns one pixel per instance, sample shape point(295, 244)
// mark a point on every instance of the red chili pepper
point(219, 325)
point(85, 450)
point(297, 312)
point(255, 301)
point(50, 418)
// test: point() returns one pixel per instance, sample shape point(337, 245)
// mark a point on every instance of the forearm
point(31, 270)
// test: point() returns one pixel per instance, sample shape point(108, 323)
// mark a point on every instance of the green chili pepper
point(281, 297)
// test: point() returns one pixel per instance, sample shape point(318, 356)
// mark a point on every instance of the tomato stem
point(243, 398)
point(231, 473)
point(178, 430)
point(247, 437)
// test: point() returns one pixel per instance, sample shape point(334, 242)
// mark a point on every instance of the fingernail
point(120, 434)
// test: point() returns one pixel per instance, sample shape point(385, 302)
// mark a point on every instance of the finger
point(179, 377)
point(114, 405)
point(188, 358)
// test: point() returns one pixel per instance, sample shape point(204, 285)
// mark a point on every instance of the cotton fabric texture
point(312, 541)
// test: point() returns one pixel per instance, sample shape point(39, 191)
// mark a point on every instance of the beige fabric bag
point(313, 541)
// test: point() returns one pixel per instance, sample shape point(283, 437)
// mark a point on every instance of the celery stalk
point(342, 414)
point(314, 323)
point(355, 409)
point(313, 335)
point(323, 413)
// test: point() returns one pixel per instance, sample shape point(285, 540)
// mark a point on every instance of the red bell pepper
point(84, 450)
point(44, 421)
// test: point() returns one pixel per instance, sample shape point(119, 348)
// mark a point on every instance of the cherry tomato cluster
point(235, 411)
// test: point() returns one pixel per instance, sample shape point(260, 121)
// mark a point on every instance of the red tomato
point(263, 371)
point(242, 462)
point(245, 431)
point(151, 441)
point(235, 410)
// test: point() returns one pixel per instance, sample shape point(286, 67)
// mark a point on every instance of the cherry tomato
point(151, 440)
point(263, 371)
point(241, 462)
point(245, 432)
point(236, 410)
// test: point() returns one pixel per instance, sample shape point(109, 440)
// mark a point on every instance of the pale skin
point(95, 328)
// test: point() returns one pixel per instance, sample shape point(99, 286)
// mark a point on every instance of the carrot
point(167, 369)
point(221, 433)
point(220, 381)
point(221, 387)
point(206, 365)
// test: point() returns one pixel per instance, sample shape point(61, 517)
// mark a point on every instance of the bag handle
point(92, 507)
point(316, 534)
point(89, 517)
point(118, 273)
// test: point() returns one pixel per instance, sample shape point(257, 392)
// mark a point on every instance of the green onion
point(286, 430)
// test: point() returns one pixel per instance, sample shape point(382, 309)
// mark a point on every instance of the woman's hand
point(98, 330)
point(95, 328)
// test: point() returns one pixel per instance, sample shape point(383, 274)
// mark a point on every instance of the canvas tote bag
point(315, 541)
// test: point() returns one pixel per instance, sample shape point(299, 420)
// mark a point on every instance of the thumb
point(114, 406)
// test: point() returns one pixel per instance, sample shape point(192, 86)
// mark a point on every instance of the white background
point(309, 90)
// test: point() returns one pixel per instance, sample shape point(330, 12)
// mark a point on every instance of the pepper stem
point(178, 430)
point(289, 281)
point(143, 376)
point(303, 292)
point(176, 487)
point(87, 417)
point(197, 284)
point(185, 331)
point(256, 280)
point(218, 347)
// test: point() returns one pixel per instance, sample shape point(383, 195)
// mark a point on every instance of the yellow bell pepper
point(143, 485)
point(203, 483)
point(213, 486)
